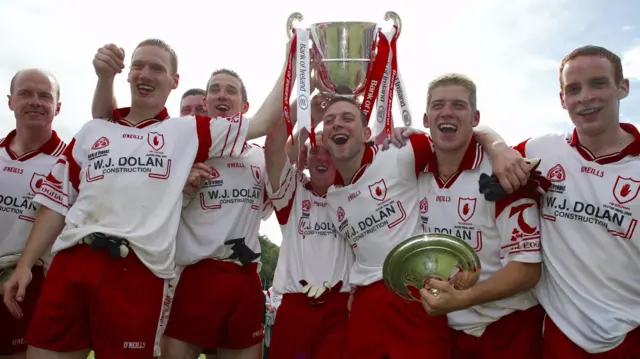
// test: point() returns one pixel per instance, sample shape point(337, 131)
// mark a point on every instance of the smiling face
point(153, 75)
point(592, 86)
point(225, 95)
point(345, 132)
point(322, 170)
point(34, 99)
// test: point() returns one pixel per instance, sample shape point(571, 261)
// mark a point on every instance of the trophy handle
point(296, 16)
point(393, 16)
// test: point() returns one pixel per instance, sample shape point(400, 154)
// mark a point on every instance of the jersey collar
point(632, 149)
point(471, 159)
point(119, 116)
point(367, 158)
point(53, 147)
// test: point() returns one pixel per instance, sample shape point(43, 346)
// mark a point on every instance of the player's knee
point(177, 349)
point(253, 352)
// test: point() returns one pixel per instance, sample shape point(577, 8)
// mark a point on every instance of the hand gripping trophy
point(349, 59)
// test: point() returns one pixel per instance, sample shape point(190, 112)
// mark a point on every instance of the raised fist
point(109, 61)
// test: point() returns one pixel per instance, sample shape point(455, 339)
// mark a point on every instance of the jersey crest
point(466, 208)
point(378, 190)
point(155, 141)
point(625, 190)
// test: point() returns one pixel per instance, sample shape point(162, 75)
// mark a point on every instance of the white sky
point(489, 40)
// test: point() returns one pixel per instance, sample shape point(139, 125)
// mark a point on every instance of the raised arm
point(108, 62)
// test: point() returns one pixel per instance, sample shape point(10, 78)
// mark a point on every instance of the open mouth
point(145, 89)
point(447, 128)
point(222, 107)
point(34, 112)
point(321, 169)
point(589, 111)
point(340, 139)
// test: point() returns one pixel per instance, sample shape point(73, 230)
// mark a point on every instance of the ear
point(58, 106)
point(564, 106)
point(9, 102)
point(476, 118)
point(367, 134)
point(245, 107)
point(425, 120)
point(176, 81)
point(623, 89)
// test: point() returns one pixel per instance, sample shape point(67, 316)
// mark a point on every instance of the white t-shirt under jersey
point(590, 285)
point(126, 181)
point(379, 208)
point(501, 232)
point(20, 179)
point(311, 250)
point(229, 206)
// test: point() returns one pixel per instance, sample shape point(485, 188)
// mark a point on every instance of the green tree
point(269, 258)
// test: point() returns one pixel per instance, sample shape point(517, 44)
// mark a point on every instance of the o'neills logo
point(369, 98)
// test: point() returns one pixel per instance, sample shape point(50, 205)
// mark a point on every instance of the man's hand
point(511, 169)
point(200, 173)
point(447, 300)
point(14, 289)
point(108, 61)
point(465, 279)
point(399, 137)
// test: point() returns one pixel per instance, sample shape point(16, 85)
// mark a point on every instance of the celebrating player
point(119, 184)
point(498, 317)
point(591, 266)
point(26, 156)
point(192, 103)
point(230, 205)
point(314, 263)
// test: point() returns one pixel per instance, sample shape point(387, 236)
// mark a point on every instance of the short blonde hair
point(456, 80)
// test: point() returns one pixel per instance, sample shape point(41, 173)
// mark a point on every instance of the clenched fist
point(109, 61)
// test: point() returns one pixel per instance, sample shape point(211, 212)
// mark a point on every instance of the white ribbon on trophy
point(303, 63)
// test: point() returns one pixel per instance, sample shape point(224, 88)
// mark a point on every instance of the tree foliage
point(269, 258)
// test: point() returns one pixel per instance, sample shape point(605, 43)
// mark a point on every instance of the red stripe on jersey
point(235, 140)
point(51, 147)
point(74, 168)
point(422, 151)
point(284, 213)
point(203, 131)
point(632, 149)
point(522, 147)
point(522, 193)
point(472, 158)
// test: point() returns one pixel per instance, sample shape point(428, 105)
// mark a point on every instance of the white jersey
point(310, 250)
point(591, 251)
point(126, 181)
point(379, 208)
point(20, 179)
point(229, 206)
point(500, 232)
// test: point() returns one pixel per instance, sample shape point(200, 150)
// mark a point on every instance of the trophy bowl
point(412, 262)
point(342, 52)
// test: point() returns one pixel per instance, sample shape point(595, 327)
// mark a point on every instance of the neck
point(28, 139)
point(612, 140)
point(137, 115)
point(348, 168)
point(321, 190)
point(449, 161)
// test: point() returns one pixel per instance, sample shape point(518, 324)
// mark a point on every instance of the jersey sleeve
point(522, 147)
point(221, 136)
point(283, 199)
point(413, 159)
point(60, 188)
point(518, 223)
point(267, 205)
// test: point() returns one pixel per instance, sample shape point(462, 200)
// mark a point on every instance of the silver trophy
point(412, 262)
point(342, 52)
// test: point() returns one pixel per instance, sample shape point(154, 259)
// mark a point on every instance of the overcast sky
point(512, 49)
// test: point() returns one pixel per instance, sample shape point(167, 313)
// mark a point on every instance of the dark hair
point(163, 45)
point(591, 50)
point(337, 99)
point(243, 89)
point(193, 92)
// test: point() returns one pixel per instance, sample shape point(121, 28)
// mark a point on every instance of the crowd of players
point(146, 226)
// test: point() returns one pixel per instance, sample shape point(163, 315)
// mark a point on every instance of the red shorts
point(556, 345)
point(383, 324)
point(303, 330)
point(12, 330)
point(90, 300)
point(517, 335)
point(218, 305)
